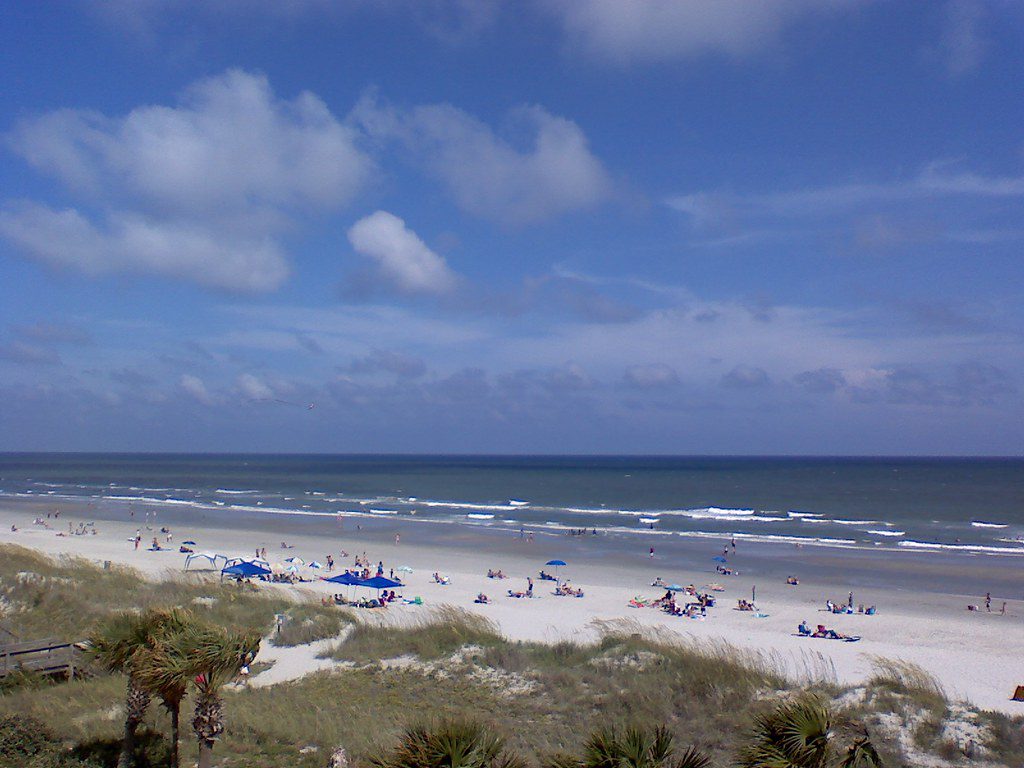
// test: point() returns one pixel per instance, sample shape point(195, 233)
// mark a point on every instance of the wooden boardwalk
point(41, 657)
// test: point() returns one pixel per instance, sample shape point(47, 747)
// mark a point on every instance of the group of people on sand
point(566, 590)
point(496, 574)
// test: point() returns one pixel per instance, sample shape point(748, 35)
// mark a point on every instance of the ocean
point(922, 504)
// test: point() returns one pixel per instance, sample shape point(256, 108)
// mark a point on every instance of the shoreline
point(921, 598)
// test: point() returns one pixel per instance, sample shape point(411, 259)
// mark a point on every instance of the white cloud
point(934, 182)
point(652, 376)
point(254, 388)
point(131, 243)
point(230, 143)
point(543, 170)
point(962, 44)
point(194, 386)
point(659, 30)
point(402, 258)
point(197, 191)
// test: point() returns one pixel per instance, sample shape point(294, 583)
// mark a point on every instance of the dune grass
point(439, 633)
point(44, 597)
point(308, 622)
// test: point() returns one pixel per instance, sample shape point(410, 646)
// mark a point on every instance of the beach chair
point(1018, 695)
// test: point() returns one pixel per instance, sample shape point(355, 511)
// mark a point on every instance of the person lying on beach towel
point(547, 577)
point(516, 594)
point(830, 634)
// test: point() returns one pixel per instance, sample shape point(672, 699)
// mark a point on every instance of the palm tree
point(115, 645)
point(802, 734)
point(215, 656)
point(448, 744)
point(165, 671)
point(633, 748)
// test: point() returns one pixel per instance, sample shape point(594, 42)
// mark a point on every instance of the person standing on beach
point(529, 590)
point(651, 553)
point(988, 602)
point(398, 538)
point(138, 537)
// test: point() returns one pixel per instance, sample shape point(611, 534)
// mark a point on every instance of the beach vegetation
point(632, 747)
point(448, 744)
point(309, 622)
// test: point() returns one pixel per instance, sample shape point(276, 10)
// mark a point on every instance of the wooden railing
point(43, 657)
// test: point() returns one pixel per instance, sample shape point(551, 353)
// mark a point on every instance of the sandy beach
point(922, 602)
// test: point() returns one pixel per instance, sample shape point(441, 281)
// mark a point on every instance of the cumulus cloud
point(133, 244)
point(52, 333)
point(195, 388)
point(197, 191)
point(229, 144)
point(822, 380)
point(254, 388)
point(387, 361)
point(659, 30)
point(653, 376)
point(745, 377)
point(543, 169)
point(28, 354)
point(963, 46)
point(401, 257)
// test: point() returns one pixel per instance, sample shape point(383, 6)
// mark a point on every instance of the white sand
point(978, 657)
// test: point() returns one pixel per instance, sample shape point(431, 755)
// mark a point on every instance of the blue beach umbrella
point(674, 588)
point(558, 564)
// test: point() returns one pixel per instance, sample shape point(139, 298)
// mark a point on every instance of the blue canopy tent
point(379, 582)
point(348, 579)
point(244, 569)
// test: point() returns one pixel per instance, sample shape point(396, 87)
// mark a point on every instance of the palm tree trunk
point(205, 754)
point(208, 724)
point(175, 733)
point(135, 705)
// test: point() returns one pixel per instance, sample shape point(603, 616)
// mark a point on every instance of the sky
point(512, 226)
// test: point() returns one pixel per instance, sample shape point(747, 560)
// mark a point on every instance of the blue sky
point(544, 227)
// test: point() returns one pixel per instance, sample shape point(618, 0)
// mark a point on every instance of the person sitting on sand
point(792, 581)
point(803, 629)
point(482, 598)
point(658, 582)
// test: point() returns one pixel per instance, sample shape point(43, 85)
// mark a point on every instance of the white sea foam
point(234, 492)
point(648, 520)
point(480, 516)
point(980, 548)
point(886, 533)
point(985, 524)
